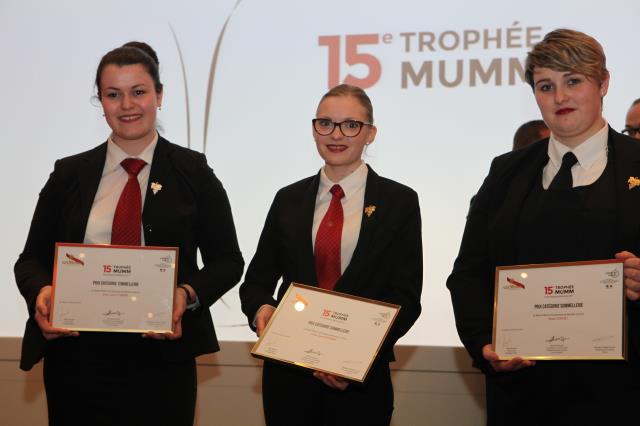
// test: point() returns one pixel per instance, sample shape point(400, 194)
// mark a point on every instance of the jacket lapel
point(517, 182)
point(626, 157)
point(159, 174)
point(89, 175)
point(303, 227)
point(367, 229)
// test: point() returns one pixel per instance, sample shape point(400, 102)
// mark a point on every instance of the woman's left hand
point(179, 306)
point(631, 271)
point(331, 380)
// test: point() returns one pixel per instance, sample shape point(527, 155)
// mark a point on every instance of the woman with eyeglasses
point(566, 198)
point(373, 224)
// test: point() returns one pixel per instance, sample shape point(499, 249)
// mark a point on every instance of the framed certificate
point(560, 311)
point(113, 288)
point(323, 330)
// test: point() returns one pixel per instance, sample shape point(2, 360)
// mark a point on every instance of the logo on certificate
point(382, 318)
point(334, 315)
point(73, 259)
point(166, 262)
point(613, 278)
point(116, 270)
point(613, 274)
point(559, 290)
point(513, 284)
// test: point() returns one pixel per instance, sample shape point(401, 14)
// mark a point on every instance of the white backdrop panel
point(270, 72)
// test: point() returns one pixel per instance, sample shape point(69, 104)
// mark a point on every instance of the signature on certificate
point(557, 339)
point(600, 339)
point(314, 352)
point(112, 313)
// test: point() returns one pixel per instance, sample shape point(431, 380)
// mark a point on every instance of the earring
point(159, 107)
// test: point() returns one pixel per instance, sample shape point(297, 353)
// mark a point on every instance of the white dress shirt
point(113, 180)
point(591, 155)
point(352, 207)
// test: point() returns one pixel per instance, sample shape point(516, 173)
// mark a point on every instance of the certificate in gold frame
point(113, 288)
point(322, 330)
point(560, 311)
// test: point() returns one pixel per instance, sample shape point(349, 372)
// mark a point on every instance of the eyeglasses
point(631, 131)
point(349, 128)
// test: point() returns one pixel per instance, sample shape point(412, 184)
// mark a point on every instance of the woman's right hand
point(43, 305)
point(262, 317)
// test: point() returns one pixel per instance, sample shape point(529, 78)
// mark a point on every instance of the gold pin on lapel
point(371, 208)
point(155, 187)
point(633, 182)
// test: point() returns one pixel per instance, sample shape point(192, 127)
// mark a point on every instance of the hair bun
point(145, 48)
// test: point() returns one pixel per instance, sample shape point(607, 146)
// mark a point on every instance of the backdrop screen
point(242, 80)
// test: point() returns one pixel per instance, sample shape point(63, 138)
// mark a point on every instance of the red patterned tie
point(328, 238)
point(128, 217)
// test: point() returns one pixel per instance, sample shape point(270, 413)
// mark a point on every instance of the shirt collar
point(115, 154)
point(350, 184)
point(587, 153)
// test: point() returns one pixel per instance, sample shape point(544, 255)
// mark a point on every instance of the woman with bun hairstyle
point(374, 252)
point(111, 379)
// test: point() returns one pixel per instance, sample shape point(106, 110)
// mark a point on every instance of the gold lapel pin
point(633, 182)
point(371, 208)
point(155, 187)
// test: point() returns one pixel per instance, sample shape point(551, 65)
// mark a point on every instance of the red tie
point(328, 238)
point(128, 216)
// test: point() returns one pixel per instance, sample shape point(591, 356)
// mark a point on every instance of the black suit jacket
point(488, 236)
point(386, 263)
point(191, 211)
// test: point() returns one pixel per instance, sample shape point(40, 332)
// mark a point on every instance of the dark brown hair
point(132, 53)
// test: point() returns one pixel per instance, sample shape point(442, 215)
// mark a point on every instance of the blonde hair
point(354, 91)
point(569, 51)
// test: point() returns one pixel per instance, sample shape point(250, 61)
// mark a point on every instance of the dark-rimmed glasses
point(631, 131)
point(349, 128)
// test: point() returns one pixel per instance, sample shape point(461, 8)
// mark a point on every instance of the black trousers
point(565, 393)
point(120, 392)
point(292, 396)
